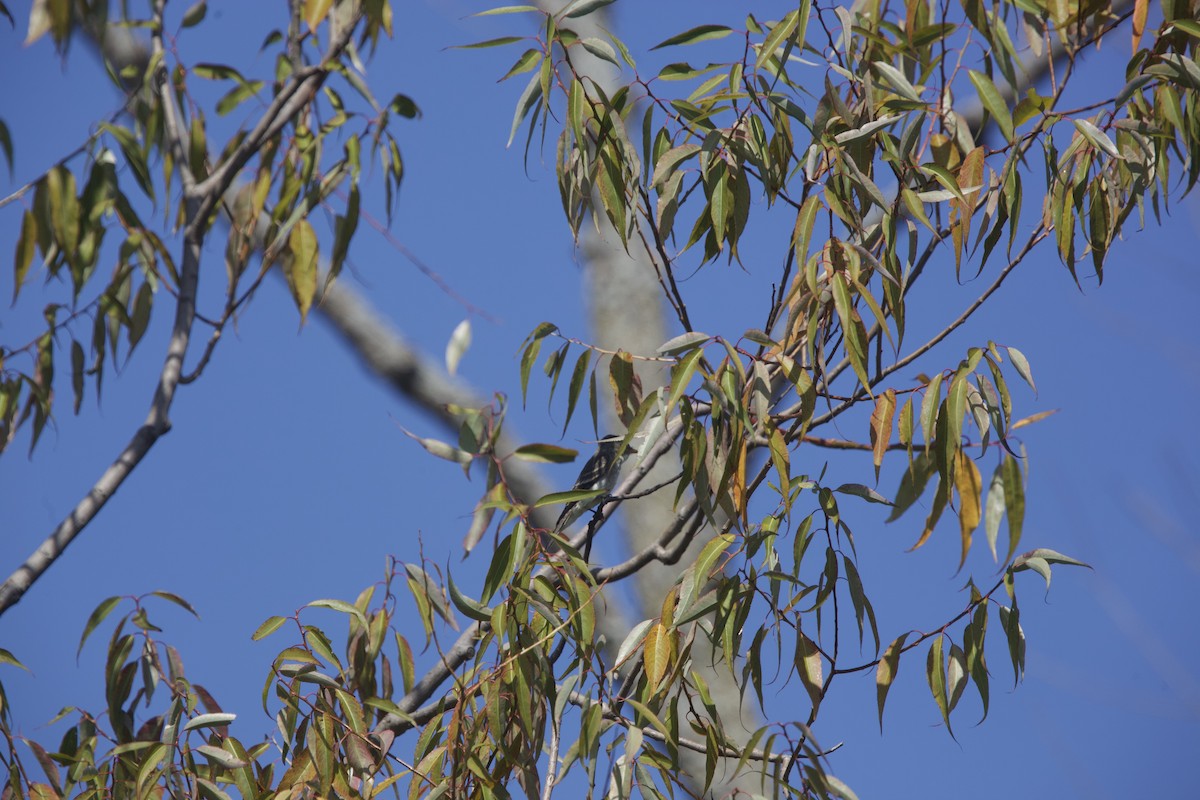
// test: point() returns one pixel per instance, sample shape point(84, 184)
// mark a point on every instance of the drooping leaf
point(935, 674)
point(881, 427)
point(98, 615)
point(460, 340)
point(657, 653)
point(885, 673)
point(968, 484)
point(1014, 501)
point(808, 665)
point(300, 269)
point(994, 102)
point(852, 329)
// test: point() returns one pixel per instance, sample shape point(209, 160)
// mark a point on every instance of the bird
point(599, 473)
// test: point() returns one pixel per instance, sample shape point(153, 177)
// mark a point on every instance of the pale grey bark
point(626, 311)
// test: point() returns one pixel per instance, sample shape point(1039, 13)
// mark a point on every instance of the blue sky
point(286, 477)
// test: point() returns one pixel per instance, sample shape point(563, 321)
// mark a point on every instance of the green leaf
point(993, 102)
point(683, 343)
point(701, 33)
point(578, 375)
point(956, 674)
point(1189, 26)
point(600, 49)
point(217, 72)
point(700, 573)
point(269, 626)
point(237, 95)
point(895, 78)
point(139, 315)
point(1023, 367)
point(507, 10)
point(1098, 138)
point(633, 640)
point(1039, 561)
point(862, 604)
point(567, 497)
point(993, 509)
point(1014, 501)
point(913, 483)
point(852, 329)
point(472, 609)
point(343, 232)
point(581, 8)
point(802, 231)
point(670, 160)
point(195, 14)
point(443, 450)
point(929, 409)
point(7, 657)
point(341, 606)
point(208, 721)
point(935, 673)
point(171, 597)
point(26, 244)
point(1010, 621)
point(498, 42)
point(197, 148)
point(974, 635)
point(529, 97)
point(546, 454)
point(782, 30)
point(77, 365)
point(865, 492)
point(808, 665)
point(530, 59)
point(134, 156)
point(681, 376)
point(98, 615)
point(6, 145)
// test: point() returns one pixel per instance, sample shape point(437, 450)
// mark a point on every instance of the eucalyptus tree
point(874, 150)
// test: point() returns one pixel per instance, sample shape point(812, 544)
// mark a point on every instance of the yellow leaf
point(657, 653)
point(969, 485)
point(301, 269)
point(315, 11)
point(881, 426)
point(1140, 7)
point(970, 179)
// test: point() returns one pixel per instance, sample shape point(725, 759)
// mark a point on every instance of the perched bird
point(600, 472)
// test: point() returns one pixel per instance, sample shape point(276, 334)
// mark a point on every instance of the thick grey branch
point(385, 352)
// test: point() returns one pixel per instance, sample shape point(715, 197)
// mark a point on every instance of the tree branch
point(158, 418)
point(385, 352)
point(464, 647)
point(199, 201)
